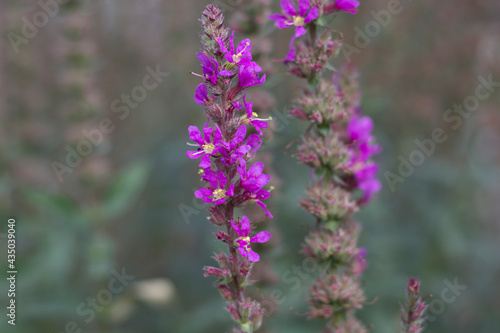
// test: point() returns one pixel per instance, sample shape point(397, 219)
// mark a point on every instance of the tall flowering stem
point(337, 146)
point(413, 310)
point(226, 150)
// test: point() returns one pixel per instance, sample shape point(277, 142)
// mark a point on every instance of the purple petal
point(240, 152)
point(245, 226)
point(280, 20)
point(221, 177)
point(288, 8)
point(248, 106)
point(300, 31)
point(201, 94)
point(194, 154)
point(195, 135)
point(312, 15)
point(204, 194)
point(254, 141)
point(304, 7)
point(222, 46)
point(242, 168)
point(236, 228)
point(262, 195)
point(225, 73)
point(220, 201)
point(230, 192)
point(261, 237)
point(207, 132)
point(205, 161)
point(263, 205)
point(239, 136)
point(243, 252)
point(256, 169)
point(253, 256)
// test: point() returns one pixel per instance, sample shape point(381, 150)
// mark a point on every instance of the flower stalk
point(225, 149)
point(337, 146)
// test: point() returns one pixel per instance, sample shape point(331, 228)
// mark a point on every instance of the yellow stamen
point(201, 172)
point(298, 20)
point(254, 114)
point(219, 194)
point(237, 57)
point(209, 148)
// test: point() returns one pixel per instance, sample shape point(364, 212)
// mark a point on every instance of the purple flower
point(359, 132)
point(252, 116)
point(247, 75)
point(360, 128)
point(253, 181)
point(359, 264)
point(201, 94)
point(304, 15)
point(206, 147)
point(211, 68)
point(244, 239)
point(217, 194)
point(348, 6)
point(367, 181)
point(234, 149)
point(242, 54)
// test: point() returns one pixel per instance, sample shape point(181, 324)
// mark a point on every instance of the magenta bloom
point(253, 181)
point(211, 68)
point(216, 193)
point(305, 14)
point(348, 6)
point(359, 132)
point(244, 240)
point(367, 181)
point(235, 148)
point(252, 116)
point(247, 75)
point(206, 147)
point(241, 54)
point(201, 94)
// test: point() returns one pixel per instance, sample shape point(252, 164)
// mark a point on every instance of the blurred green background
point(118, 209)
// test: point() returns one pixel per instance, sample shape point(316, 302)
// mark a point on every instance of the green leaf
point(53, 202)
point(124, 190)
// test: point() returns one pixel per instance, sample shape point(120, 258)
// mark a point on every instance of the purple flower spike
point(305, 14)
point(211, 68)
point(245, 240)
point(348, 6)
point(201, 94)
point(206, 147)
point(217, 194)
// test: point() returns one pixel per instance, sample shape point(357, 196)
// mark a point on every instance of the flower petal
point(256, 169)
point(239, 136)
point(236, 228)
point(221, 177)
point(304, 7)
point(288, 8)
point(201, 94)
point(300, 31)
point(204, 194)
point(205, 161)
point(253, 256)
point(242, 250)
point(261, 237)
point(245, 226)
point(312, 15)
point(263, 205)
point(195, 135)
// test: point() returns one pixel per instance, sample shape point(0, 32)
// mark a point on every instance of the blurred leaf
point(46, 201)
point(124, 190)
